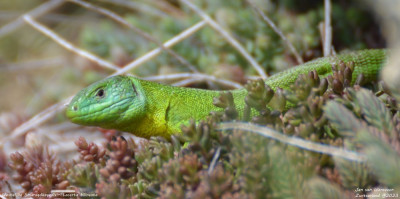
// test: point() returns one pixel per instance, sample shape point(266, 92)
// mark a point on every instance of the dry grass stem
point(328, 29)
point(36, 12)
point(278, 31)
point(228, 37)
point(37, 120)
point(137, 6)
point(119, 19)
point(141, 60)
point(214, 161)
point(168, 7)
point(196, 77)
point(32, 64)
point(187, 82)
point(297, 142)
point(68, 45)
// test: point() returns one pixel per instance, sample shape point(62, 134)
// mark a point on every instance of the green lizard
point(151, 109)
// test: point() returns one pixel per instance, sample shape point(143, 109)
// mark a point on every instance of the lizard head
point(109, 103)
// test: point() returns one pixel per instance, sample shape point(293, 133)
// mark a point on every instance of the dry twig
point(68, 45)
point(278, 31)
point(181, 36)
point(214, 160)
point(193, 78)
point(297, 142)
point(137, 6)
point(32, 64)
point(119, 19)
point(40, 10)
point(328, 29)
point(36, 120)
point(228, 37)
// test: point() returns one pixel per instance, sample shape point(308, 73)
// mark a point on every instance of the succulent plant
point(38, 171)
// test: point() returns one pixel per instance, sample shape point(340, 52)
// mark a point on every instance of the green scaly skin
point(150, 109)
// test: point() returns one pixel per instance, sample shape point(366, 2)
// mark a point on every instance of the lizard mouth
point(96, 114)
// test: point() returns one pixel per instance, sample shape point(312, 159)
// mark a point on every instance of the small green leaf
point(286, 176)
point(352, 174)
point(321, 188)
point(375, 111)
point(383, 160)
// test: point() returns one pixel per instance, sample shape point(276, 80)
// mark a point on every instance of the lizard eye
point(100, 93)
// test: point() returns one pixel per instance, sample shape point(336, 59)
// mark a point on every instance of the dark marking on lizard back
point(134, 89)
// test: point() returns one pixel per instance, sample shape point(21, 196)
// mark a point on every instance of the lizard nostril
point(75, 108)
